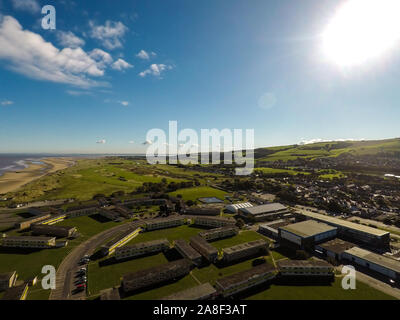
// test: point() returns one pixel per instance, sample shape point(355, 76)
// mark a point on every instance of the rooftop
point(187, 249)
point(308, 228)
point(6, 276)
point(337, 245)
point(245, 246)
point(245, 275)
point(167, 219)
point(342, 223)
point(375, 258)
point(29, 238)
point(216, 230)
point(204, 244)
point(120, 237)
point(14, 293)
point(145, 244)
point(265, 208)
point(303, 263)
point(194, 293)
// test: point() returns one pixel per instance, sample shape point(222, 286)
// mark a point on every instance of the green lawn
point(273, 170)
point(242, 237)
point(199, 192)
point(333, 292)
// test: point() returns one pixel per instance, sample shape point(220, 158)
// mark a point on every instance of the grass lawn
point(199, 192)
point(104, 277)
point(273, 170)
point(242, 237)
point(166, 290)
point(181, 232)
point(333, 292)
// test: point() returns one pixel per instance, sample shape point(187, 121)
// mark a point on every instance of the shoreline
point(13, 180)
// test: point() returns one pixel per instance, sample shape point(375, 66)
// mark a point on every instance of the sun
point(362, 30)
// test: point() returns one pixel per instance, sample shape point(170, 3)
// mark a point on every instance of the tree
point(240, 223)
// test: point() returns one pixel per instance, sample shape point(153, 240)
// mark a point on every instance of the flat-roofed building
point(110, 294)
point(219, 233)
point(54, 219)
point(245, 280)
point(143, 202)
point(269, 211)
point(270, 229)
point(25, 224)
point(351, 231)
point(334, 248)
point(7, 280)
point(187, 251)
point(204, 248)
point(234, 208)
point(80, 211)
point(142, 248)
point(163, 223)
point(213, 222)
point(121, 240)
point(123, 212)
point(372, 261)
point(155, 275)
point(29, 242)
point(245, 250)
point(306, 234)
point(16, 293)
point(303, 268)
point(48, 230)
point(196, 211)
point(204, 291)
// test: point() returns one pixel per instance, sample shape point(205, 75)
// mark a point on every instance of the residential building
point(163, 223)
point(197, 211)
point(110, 294)
point(204, 291)
point(25, 224)
point(159, 274)
point(305, 268)
point(79, 211)
point(204, 248)
point(213, 222)
point(142, 248)
point(7, 280)
point(245, 280)
point(16, 293)
point(219, 233)
point(187, 251)
point(54, 219)
point(48, 230)
point(334, 248)
point(29, 242)
point(120, 240)
point(244, 250)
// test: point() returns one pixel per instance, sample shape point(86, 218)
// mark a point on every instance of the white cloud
point(78, 93)
point(110, 34)
point(101, 57)
point(102, 141)
point(69, 39)
point(267, 100)
point(26, 5)
point(131, 142)
point(121, 64)
point(155, 70)
point(124, 103)
point(147, 142)
point(28, 53)
point(6, 102)
point(145, 55)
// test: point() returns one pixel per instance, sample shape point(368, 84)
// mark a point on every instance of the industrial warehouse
point(270, 211)
point(372, 237)
point(307, 233)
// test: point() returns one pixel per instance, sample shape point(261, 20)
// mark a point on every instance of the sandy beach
point(12, 181)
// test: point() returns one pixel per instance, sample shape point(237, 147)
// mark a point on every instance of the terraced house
point(142, 248)
point(29, 242)
point(245, 250)
point(245, 280)
point(155, 275)
point(219, 233)
point(204, 248)
point(163, 223)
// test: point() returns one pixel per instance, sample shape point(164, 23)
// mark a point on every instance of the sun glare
point(362, 30)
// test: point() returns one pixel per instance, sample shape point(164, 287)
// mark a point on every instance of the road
point(68, 267)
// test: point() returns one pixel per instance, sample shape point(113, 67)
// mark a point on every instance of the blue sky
point(112, 70)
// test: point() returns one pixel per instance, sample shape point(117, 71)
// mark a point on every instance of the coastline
point(13, 180)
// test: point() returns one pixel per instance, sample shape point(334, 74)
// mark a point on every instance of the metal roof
point(308, 228)
point(375, 258)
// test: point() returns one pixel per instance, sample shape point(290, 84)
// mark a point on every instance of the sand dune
point(12, 181)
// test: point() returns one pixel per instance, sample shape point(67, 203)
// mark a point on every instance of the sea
point(15, 162)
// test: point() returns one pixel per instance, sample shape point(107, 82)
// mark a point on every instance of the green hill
point(386, 148)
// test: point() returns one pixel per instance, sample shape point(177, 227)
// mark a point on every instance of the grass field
point(199, 192)
point(273, 171)
point(333, 292)
point(242, 237)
